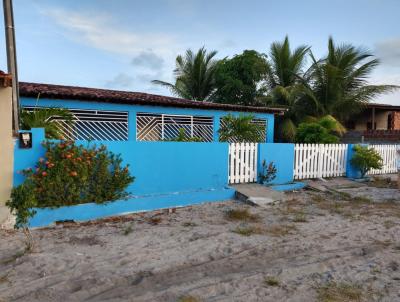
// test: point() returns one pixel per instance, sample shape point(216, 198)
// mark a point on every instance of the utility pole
point(12, 60)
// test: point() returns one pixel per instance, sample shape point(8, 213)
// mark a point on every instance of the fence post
point(321, 151)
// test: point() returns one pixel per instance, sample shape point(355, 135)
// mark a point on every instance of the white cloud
point(148, 59)
point(389, 52)
point(121, 80)
point(100, 31)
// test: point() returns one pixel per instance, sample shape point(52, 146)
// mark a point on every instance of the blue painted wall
point(352, 172)
point(282, 155)
point(168, 174)
point(159, 167)
point(27, 158)
point(134, 109)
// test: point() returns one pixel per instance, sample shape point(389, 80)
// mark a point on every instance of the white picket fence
point(390, 156)
point(310, 161)
point(243, 162)
point(319, 160)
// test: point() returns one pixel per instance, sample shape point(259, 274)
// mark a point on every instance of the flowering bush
point(70, 174)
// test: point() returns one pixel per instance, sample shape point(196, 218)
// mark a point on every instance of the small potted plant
point(365, 159)
point(268, 173)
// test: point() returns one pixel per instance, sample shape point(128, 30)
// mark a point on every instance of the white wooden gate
point(319, 160)
point(242, 162)
point(390, 155)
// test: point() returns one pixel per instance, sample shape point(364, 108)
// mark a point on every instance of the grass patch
point(360, 199)
point(127, 230)
point(4, 279)
point(318, 198)
point(379, 182)
point(272, 281)
point(189, 224)
point(154, 220)
point(14, 257)
point(388, 224)
point(249, 230)
point(188, 299)
point(241, 215)
point(340, 292)
point(280, 230)
point(300, 217)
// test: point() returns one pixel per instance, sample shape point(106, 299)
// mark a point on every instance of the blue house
point(136, 126)
point(108, 115)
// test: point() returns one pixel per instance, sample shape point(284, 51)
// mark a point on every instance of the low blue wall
point(282, 155)
point(168, 174)
point(352, 172)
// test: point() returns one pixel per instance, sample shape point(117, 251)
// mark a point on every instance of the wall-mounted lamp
point(25, 140)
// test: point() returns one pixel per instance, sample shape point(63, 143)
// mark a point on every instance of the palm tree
point(194, 75)
point(240, 129)
point(283, 81)
point(44, 118)
point(338, 84)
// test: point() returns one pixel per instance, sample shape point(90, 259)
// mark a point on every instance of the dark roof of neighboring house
point(383, 106)
point(125, 97)
point(5, 79)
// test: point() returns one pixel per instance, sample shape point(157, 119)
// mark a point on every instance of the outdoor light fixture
point(25, 140)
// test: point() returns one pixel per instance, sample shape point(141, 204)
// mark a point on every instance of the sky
point(124, 44)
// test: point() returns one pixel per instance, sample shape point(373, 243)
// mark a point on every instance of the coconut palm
point(194, 75)
point(283, 81)
point(240, 129)
point(44, 118)
point(338, 84)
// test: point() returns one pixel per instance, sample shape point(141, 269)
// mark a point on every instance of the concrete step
point(257, 194)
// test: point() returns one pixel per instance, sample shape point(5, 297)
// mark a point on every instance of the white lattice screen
point(92, 125)
point(157, 127)
point(258, 121)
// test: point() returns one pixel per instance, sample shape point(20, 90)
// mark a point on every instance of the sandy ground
point(312, 247)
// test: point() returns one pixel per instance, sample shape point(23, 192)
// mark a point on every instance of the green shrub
point(181, 137)
point(240, 129)
point(365, 159)
point(314, 133)
point(268, 172)
point(68, 175)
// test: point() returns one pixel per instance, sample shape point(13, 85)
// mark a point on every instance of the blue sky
point(124, 44)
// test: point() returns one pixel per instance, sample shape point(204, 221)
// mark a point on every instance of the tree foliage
point(338, 84)
point(320, 131)
point(194, 75)
point(285, 70)
point(238, 80)
point(240, 129)
point(364, 159)
point(70, 174)
point(44, 118)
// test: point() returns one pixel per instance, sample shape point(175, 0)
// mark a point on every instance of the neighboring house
point(101, 114)
point(376, 123)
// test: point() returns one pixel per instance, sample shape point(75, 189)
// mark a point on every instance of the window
point(159, 127)
point(92, 125)
point(259, 121)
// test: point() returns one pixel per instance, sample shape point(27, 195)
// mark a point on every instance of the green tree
point(240, 129)
point(325, 130)
point(194, 75)
point(284, 73)
point(338, 84)
point(238, 80)
point(44, 118)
